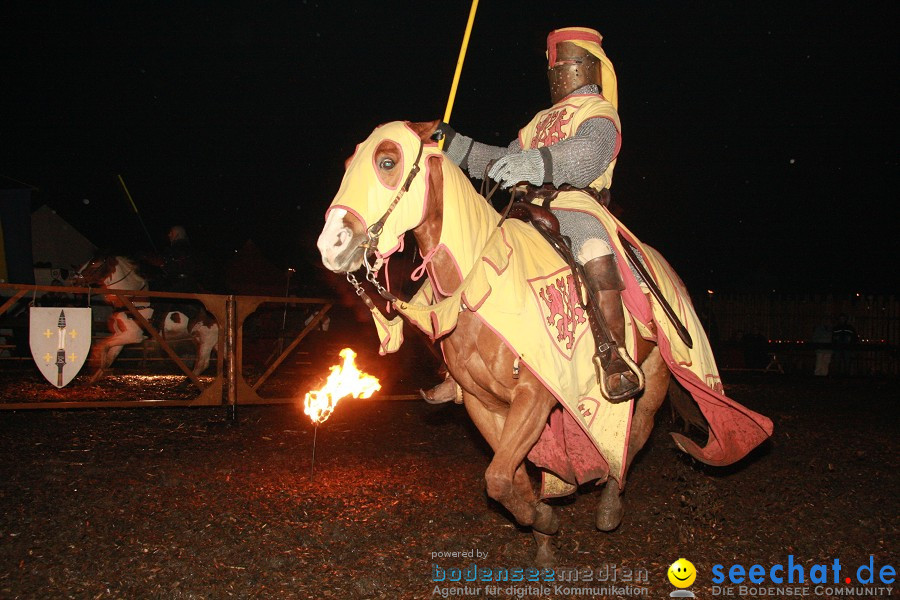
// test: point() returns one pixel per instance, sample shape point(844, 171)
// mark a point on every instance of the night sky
point(759, 138)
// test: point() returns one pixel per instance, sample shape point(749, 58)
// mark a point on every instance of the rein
point(124, 277)
point(140, 289)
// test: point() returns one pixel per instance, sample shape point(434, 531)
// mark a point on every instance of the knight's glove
point(527, 165)
point(456, 145)
point(444, 132)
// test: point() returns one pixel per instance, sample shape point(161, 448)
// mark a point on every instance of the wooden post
point(231, 362)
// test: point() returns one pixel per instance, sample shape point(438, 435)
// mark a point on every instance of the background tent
point(55, 244)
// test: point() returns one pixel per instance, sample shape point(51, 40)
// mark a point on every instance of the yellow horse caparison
point(510, 413)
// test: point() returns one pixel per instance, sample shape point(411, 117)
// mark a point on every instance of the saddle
point(540, 217)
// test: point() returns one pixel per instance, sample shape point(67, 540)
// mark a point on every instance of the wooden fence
point(231, 384)
point(786, 322)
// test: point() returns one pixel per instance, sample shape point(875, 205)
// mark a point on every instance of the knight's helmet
point(177, 233)
point(575, 58)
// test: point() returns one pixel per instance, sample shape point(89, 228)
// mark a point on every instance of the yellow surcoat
point(562, 120)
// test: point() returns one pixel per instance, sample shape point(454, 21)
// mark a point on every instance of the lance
point(134, 206)
point(459, 64)
point(61, 348)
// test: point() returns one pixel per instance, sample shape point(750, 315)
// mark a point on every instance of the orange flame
point(345, 380)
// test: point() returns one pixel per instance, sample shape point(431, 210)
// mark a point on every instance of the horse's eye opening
point(386, 163)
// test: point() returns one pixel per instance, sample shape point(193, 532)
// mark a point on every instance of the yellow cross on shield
point(60, 341)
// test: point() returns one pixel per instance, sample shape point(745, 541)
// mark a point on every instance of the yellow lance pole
point(459, 64)
point(134, 206)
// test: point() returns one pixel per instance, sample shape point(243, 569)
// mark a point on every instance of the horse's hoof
point(545, 557)
point(546, 521)
point(609, 520)
point(610, 510)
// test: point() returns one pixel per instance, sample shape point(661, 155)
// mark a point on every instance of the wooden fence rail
point(229, 386)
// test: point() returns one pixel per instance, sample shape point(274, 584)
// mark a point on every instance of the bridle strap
point(375, 230)
point(81, 275)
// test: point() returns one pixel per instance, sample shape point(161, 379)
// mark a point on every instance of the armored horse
point(121, 273)
point(514, 332)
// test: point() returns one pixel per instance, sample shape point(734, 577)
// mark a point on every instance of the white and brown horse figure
point(380, 198)
point(121, 273)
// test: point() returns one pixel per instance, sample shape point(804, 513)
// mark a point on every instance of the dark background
point(759, 144)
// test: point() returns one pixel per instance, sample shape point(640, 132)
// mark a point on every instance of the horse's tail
point(684, 406)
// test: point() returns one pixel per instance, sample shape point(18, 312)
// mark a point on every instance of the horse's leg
point(106, 353)
point(546, 523)
point(124, 331)
point(528, 412)
point(114, 351)
point(510, 414)
point(491, 426)
point(98, 358)
point(610, 509)
point(205, 338)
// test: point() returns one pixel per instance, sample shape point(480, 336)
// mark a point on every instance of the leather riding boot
point(443, 392)
point(606, 285)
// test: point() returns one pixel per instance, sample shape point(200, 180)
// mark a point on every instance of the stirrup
point(632, 366)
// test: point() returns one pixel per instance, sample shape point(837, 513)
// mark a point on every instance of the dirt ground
point(186, 503)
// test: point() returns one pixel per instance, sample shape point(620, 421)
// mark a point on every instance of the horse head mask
point(380, 198)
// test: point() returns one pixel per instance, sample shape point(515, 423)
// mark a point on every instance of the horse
point(116, 272)
point(510, 405)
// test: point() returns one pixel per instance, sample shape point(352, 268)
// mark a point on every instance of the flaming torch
point(345, 380)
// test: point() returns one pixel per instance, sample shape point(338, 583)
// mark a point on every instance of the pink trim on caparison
point(401, 165)
point(509, 251)
point(431, 275)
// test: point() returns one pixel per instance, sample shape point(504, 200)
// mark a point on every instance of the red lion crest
point(562, 311)
point(549, 130)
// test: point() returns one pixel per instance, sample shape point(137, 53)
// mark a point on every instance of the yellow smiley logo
point(682, 573)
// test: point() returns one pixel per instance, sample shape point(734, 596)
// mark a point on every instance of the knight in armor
point(571, 145)
point(181, 274)
point(179, 262)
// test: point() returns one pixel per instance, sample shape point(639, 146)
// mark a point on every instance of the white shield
point(60, 341)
